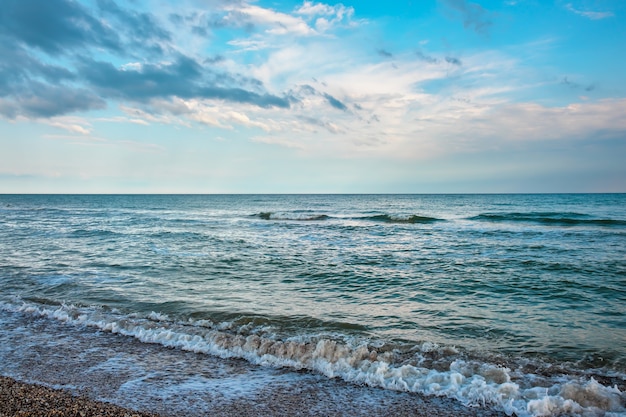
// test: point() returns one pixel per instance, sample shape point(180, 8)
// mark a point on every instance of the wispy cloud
point(326, 17)
point(309, 19)
point(593, 15)
point(76, 125)
point(274, 22)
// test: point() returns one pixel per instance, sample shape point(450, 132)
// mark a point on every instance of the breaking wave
point(386, 218)
point(378, 218)
point(426, 368)
point(549, 218)
point(295, 216)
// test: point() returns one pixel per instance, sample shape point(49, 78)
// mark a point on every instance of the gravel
point(24, 400)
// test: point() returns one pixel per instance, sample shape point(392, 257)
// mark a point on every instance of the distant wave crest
point(549, 218)
point(294, 216)
point(378, 218)
point(386, 218)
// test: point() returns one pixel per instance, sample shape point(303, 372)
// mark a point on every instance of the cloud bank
point(313, 79)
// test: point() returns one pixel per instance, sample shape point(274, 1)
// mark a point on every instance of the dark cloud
point(184, 78)
point(244, 96)
point(432, 60)
point(43, 100)
point(576, 86)
point(306, 90)
point(214, 60)
point(176, 79)
point(141, 30)
point(17, 68)
point(234, 19)
point(203, 24)
point(335, 103)
point(426, 58)
point(320, 123)
point(200, 31)
point(474, 16)
point(54, 26)
point(32, 88)
point(65, 27)
point(176, 19)
point(453, 61)
point(49, 100)
point(141, 26)
point(569, 83)
point(67, 77)
point(384, 53)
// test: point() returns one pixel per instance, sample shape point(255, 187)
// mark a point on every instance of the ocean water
point(514, 303)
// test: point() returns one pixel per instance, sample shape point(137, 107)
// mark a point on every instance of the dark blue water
point(511, 301)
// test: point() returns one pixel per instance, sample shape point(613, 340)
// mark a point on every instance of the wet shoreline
point(65, 371)
point(21, 399)
point(24, 399)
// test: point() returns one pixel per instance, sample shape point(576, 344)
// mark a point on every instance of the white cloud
point(311, 9)
point(132, 66)
point(588, 14)
point(326, 17)
point(406, 109)
point(307, 20)
point(531, 121)
point(250, 44)
point(277, 23)
point(173, 106)
point(71, 124)
point(121, 119)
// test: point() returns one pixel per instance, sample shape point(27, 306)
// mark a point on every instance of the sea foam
point(471, 382)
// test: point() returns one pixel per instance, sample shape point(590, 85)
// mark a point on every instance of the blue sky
point(243, 96)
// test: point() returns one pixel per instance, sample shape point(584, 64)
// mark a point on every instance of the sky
point(245, 96)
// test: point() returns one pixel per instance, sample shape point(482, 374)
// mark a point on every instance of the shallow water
point(509, 301)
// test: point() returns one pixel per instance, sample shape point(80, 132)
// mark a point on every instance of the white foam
point(470, 382)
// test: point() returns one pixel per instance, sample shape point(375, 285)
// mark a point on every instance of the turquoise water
point(516, 302)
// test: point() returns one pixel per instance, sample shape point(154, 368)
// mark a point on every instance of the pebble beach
point(32, 400)
point(26, 400)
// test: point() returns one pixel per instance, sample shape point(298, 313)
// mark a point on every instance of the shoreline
point(24, 399)
point(51, 369)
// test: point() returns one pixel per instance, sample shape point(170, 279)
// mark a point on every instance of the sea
point(514, 303)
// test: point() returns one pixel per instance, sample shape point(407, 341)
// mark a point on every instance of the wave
point(427, 368)
point(380, 218)
point(100, 233)
point(386, 218)
point(549, 218)
point(294, 216)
